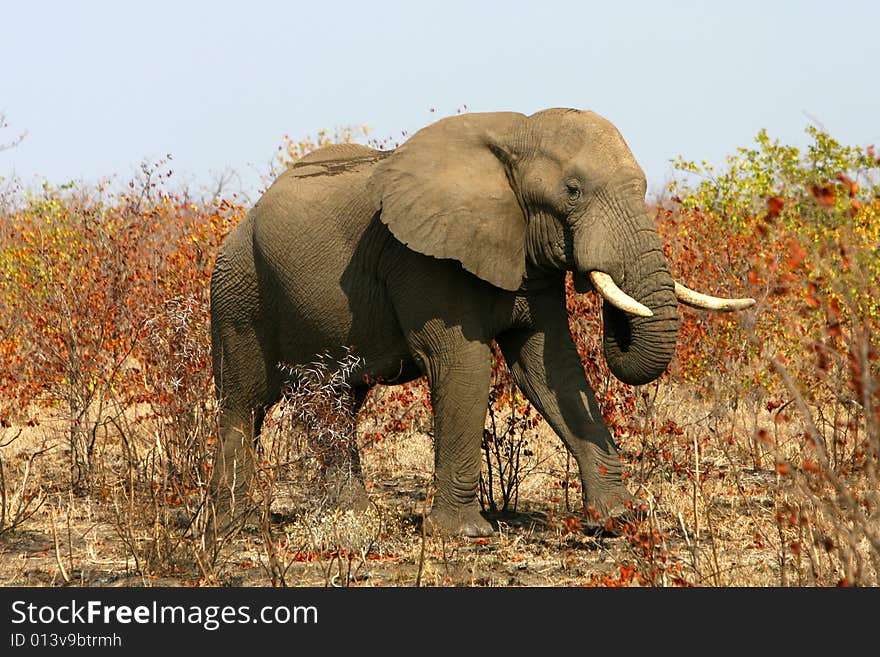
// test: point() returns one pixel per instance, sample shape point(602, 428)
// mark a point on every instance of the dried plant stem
point(692, 548)
point(58, 559)
point(696, 489)
point(424, 537)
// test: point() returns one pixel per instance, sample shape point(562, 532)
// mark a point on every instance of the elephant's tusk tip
point(739, 304)
point(605, 286)
point(705, 302)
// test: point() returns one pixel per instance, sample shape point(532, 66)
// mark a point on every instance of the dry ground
point(715, 518)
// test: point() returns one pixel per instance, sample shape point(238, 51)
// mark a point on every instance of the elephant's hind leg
point(246, 387)
point(343, 473)
point(233, 470)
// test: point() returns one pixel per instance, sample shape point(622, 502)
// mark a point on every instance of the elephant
point(418, 258)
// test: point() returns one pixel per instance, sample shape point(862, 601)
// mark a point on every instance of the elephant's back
point(330, 181)
point(317, 248)
point(320, 199)
point(336, 158)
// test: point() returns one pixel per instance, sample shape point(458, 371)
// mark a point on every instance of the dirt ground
point(382, 546)
point(714, 520)
point(528, 549)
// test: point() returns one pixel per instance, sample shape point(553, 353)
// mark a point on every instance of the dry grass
point(723, 513)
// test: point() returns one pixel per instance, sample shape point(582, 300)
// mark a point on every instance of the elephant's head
point(519, 198)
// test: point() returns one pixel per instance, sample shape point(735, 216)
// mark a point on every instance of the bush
point(83, 274)
point(799, 231)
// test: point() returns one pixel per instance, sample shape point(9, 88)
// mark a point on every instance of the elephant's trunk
point(638, 349)
point(638, 345)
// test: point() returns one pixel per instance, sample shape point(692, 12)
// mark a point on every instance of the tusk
point(606, 286)
point(704, 301)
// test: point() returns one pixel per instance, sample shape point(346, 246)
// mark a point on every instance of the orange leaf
point(796, 255)
point(851, 185)
point(781, 468)
point(774, 206)
point(834, 307)
point(824, 195)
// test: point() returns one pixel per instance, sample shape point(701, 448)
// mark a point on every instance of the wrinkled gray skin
point(417, 259)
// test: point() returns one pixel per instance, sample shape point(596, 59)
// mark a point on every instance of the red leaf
point(851, 185)
point(796, 255)
point(824, 195)
point(834, 307)
point(774, 206)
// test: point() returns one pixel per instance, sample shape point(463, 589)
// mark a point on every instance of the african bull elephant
point(417, 259)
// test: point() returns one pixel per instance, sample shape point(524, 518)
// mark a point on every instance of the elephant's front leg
point(458, 374)
point(545, 365)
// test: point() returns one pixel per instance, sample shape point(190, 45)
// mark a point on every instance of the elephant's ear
point(445, 193)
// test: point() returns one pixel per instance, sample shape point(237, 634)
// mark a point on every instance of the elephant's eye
point(574, 191)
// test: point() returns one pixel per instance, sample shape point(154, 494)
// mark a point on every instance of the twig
point(696, 489)
point(58, 560)
point(424, 539)
point(691, 547)
point(11, 440)
point(2, 497)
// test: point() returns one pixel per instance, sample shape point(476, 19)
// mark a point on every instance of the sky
point(97, 87)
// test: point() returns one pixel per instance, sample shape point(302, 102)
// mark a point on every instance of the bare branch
point(16, 141)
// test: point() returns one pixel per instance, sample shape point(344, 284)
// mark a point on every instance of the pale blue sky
point(99, 86)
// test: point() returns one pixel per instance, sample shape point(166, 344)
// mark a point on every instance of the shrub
point(82, 276)
point(799, 231)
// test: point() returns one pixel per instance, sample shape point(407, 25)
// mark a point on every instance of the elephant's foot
point(457, 521)
point(612, 512)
